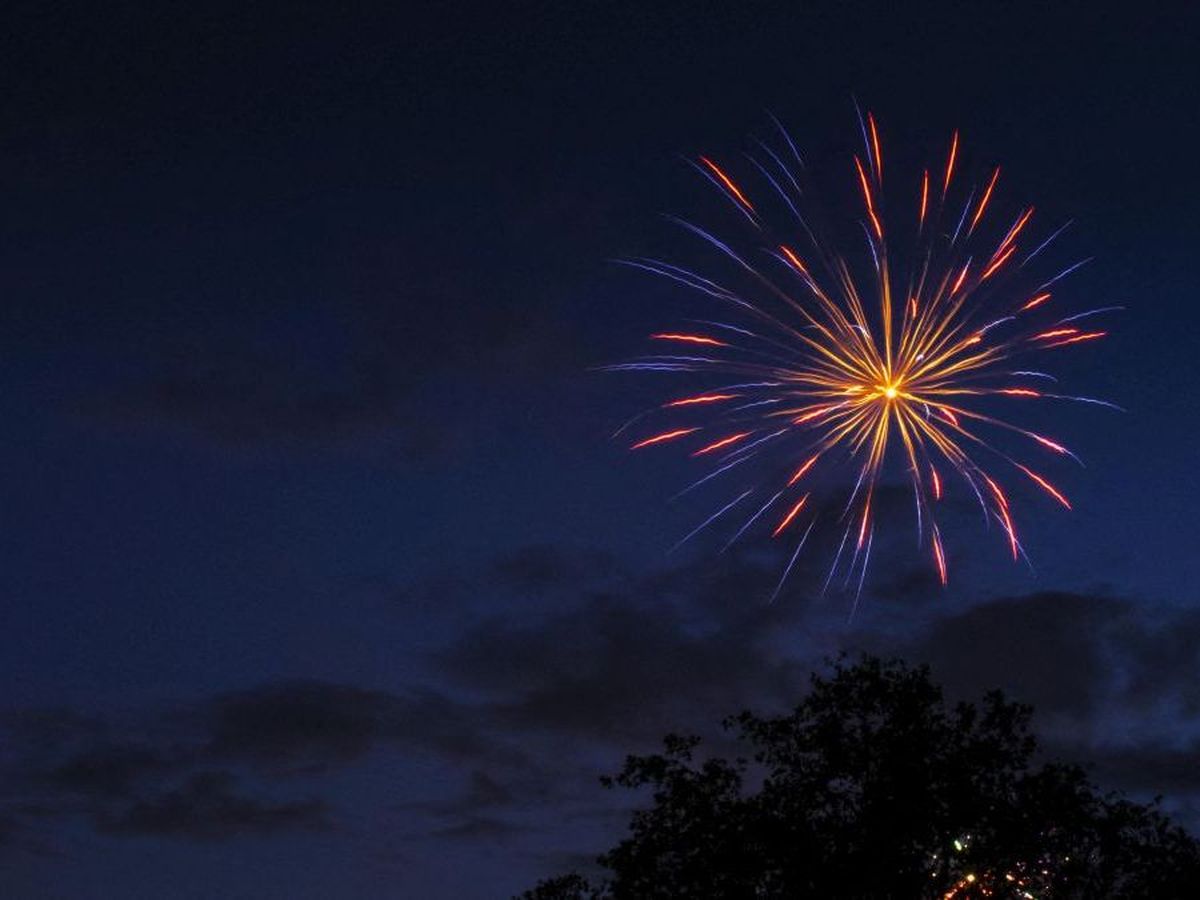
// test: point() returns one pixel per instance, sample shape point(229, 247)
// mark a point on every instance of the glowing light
point(987, 195)
point(997, 263)
point(924, 198)
point(1023, 876)
point(1036, 301)
point(660, 438)
point(723, 442)
point(695, 401)
point(793, 259)
point(908, 359)
point(725, 180)
point(800, 472)
point(689, 339)
point(950, 163)
point(791, 515)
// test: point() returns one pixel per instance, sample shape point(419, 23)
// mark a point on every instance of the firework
point(819, 362)
point(1020, 880)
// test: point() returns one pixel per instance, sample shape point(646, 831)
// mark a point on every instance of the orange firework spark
point(665, 436)
point(1020, 879)
point(704, 398)
point(689, 339)
point(791, 515)
point(723, 442)
point(826, 369)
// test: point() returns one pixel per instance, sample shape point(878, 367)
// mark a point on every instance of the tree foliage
point(875, 787)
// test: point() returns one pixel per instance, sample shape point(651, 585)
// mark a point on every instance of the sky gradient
point(321, 576)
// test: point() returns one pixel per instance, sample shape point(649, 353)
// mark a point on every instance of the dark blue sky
point(320, 576)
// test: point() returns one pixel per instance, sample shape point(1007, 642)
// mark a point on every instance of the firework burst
point(826, 363)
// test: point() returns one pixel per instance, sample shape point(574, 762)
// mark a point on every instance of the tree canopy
point(874, 786)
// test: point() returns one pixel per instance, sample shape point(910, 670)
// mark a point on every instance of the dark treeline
point(876, 787)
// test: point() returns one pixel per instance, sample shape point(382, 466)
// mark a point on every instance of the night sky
point(321, 576)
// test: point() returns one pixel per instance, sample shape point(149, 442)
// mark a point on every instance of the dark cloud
point(633, 657)
point(61, 753)
point(483, 795)
point(480, 828)
point(1158, 653)
point(300, 726)
point(612, 670)
point(1049, 649)
point(207, 806)
point(111, 769)
point(531, 704)
point(202, 770)
point(131, 775)
point(631, 676)
point(1112, 682)
point(622, 667)
point(1146, 769)
point(484, 791)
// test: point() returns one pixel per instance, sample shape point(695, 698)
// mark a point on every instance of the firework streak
point(817, 362)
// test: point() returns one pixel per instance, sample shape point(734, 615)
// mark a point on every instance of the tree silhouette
point(875, 787)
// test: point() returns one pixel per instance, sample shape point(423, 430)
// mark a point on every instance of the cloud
point(623, 666)
point(208, 807)
point(476, 828)
point(1113, 682)
point(1158, 653)
point(208, 770)
point(300, 726)
point(1149, 769)
point(61, 754)
point(107, 769)
point(306, 727)
point(530, 704)
point(602, 674)
point(627, 658)
point(484, 791)
point(1049, 649)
